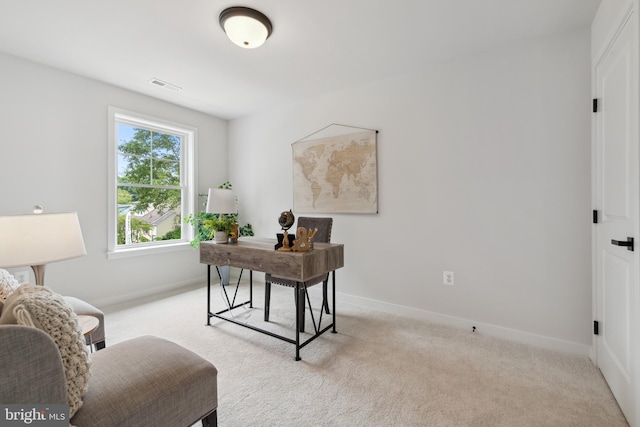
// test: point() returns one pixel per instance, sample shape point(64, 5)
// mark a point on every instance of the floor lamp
point(38, 239)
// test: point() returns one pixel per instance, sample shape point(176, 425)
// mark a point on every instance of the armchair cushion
point(148, 381)
point(39, 307)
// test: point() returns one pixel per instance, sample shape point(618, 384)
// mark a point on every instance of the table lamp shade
point(221, 201)
point(39, 239)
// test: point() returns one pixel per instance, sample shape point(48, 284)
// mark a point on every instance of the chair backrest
point(322, 224)
point(31, 366)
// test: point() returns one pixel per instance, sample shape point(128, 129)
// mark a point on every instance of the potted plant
point(202, 225)
point(220, 227)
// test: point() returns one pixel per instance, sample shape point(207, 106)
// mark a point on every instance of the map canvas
point(337, 174)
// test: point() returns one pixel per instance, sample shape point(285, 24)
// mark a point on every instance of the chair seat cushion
point(292, 283)
point(148, 381)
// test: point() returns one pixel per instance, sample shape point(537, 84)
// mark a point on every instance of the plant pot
point(220, 237)
point(225, 274)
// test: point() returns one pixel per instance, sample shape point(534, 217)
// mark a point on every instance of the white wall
point(53, 152)
point(484, 170)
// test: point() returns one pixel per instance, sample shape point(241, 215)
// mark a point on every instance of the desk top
point(258, 254)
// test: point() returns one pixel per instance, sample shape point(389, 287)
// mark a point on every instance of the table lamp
point(39, 239)
point(222, 201)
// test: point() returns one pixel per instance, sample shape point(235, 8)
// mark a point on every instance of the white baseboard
point(515, 335)
point(157, 291)
point(154, 292)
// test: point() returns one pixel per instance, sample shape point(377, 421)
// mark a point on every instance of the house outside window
point(151, 176)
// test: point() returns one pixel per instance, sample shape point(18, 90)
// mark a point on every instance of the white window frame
point(188, 181)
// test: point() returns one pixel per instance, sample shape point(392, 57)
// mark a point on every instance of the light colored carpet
point(378, 370)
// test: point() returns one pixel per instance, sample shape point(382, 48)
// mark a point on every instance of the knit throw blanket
point(40, 307)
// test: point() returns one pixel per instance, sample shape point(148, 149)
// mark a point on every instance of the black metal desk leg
point(298, 302)
point(325, 297)
point(333, 296)
point(208, 294)
point(267, 300)
point(300, 305)
point(250, 288)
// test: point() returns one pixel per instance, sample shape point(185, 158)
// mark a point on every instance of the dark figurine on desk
point(285, 241)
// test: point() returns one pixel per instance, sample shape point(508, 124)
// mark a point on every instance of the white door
point(617, 198)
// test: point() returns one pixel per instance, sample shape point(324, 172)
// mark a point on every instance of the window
point(151, 176)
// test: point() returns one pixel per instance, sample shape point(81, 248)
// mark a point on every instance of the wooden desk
point(258, 254)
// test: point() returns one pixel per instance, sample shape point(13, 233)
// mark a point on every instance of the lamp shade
point(40, 239)
point(221, 201)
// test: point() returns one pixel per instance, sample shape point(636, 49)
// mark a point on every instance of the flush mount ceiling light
point(245, 27)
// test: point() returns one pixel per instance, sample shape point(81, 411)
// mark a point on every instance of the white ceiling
point(317, 47)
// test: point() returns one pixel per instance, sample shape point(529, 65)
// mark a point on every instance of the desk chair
point(324, 226)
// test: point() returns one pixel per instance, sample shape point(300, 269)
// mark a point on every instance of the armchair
point(324, 226)
point(145, 381)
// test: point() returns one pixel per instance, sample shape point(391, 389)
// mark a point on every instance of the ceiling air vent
point(165, 85)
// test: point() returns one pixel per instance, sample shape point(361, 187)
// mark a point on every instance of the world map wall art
point(336, 173)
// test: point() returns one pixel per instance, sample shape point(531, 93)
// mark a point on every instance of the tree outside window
point(150, 193)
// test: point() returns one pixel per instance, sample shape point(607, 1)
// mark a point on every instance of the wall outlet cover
point(447, 278)
point(22, 276)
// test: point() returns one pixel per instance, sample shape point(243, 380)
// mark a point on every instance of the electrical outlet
point(22, 276)
point(447, 278)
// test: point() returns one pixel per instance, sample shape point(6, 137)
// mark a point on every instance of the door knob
point(628, 243)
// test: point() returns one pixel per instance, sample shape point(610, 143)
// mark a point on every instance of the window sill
point(148, 250)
